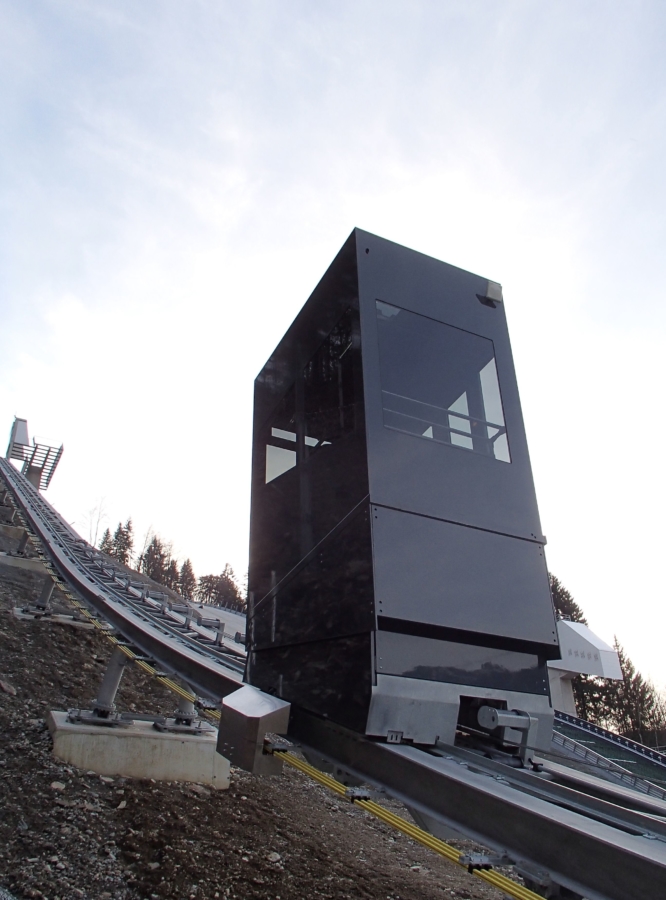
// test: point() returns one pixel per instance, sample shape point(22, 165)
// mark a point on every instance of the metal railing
point(590, 756)
point(178, 646)
point(617, 740)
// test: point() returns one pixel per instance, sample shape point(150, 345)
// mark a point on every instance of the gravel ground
point(66, 833)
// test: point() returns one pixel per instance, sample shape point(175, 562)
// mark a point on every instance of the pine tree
point(221, 590)
point(205, 590)
point(565, 605)
point(106, 544)
point(228, 593)
point(590, 696)
point(171, 574)
point(155, 560)
point(634, 705)
point(187, 581)
point(123, 542)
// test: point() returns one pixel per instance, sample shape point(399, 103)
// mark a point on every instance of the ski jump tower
point(39, 460)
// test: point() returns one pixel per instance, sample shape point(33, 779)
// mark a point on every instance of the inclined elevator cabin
point(397, 574)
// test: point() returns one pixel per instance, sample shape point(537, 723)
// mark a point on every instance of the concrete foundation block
point(139, 751)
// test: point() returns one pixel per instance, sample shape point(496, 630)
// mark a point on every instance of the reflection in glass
point(331, 678)
point(328, 389)
point(440, 383)
point(434, 660)
point(278, 461)
point(335, 580)
point(326, 411)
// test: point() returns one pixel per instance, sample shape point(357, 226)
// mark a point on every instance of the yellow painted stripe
point(507, 885)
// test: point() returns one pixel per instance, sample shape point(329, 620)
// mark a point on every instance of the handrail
point(596, 759)
point(617, 739)
point(210, 670)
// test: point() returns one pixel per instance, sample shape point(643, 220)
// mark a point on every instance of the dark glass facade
point(394, 527)
point(440, 383)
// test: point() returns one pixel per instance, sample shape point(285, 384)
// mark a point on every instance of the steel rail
point(211, 673)
point(507, 885)
point(580, 848)
point(591, 846)
point(642, 819)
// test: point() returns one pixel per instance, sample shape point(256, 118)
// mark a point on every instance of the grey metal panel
point(446, 575)
point(427, 711)
point(422, 476)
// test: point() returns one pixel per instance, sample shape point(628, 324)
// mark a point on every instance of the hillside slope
point(65, 833)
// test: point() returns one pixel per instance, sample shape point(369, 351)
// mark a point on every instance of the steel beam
point(586, 856)
point(209, 673)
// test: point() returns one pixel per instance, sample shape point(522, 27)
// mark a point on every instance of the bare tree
point(93, 521)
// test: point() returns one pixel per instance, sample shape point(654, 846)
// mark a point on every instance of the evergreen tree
point(221, 590)
point(123, 542)
point(205, 590)
point(228, 593)
point(590, 696)
point(187, 581)
point(155, 560)
point(634, 706)
point(106, 544)
point(171, 574)
point(565, 605)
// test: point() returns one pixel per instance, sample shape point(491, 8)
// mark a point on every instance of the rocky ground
point(66, 833)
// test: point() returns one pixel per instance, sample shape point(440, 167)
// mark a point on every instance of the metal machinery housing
point(397, 574)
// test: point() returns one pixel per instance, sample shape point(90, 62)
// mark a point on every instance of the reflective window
point(433, 660)
point(328, 389)
point(278, 461)
point(440, 383)
point(281, 451)
point(320, 406)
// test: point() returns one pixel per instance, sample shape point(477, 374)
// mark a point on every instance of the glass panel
point(458, 425)
point(335, 581)
point(440, 383)
point(278, 461)
point(280, 456)
point(328, 387)
point(432, 660)
point(285, 435)
point(492, 402)
point(326, 406)
point(330, 678)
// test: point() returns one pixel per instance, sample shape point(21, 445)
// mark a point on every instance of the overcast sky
point(177, 175)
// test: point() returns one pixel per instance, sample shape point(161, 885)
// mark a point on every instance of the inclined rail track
point(589, 840)
point(178, 648)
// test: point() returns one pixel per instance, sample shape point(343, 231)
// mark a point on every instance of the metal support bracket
point(361, 793)
point(484, 860)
